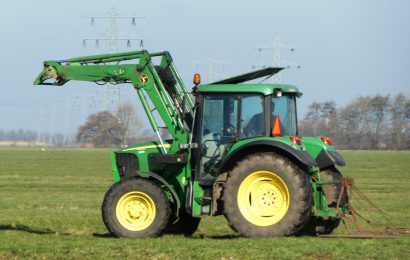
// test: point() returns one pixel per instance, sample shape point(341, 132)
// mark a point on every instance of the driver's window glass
point(213, 118)
point(220, 113)
point(252, 116)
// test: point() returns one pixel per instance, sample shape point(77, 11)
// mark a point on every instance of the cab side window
point(252, 119)
point(213, 121)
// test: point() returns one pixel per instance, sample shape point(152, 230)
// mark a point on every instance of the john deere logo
point(144, 79)
point(119, 72)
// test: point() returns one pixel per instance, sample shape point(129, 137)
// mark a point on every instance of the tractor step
point(203, 200)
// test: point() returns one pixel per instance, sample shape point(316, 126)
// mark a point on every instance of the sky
point(343, 49)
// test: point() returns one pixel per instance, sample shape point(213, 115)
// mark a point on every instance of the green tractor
point(234, 151)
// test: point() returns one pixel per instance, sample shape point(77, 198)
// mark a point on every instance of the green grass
point(50, 208)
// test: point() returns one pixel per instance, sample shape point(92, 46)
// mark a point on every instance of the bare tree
point(101, 129)
point(378, 108)
point(400, 122)
point(127, 116)
point(407, 122)
point(310, 123)
point(320, 120)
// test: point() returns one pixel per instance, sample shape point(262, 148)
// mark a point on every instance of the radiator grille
point(127, 164)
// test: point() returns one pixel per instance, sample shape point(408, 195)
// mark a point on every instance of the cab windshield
point(285, 107)
point(227, 118)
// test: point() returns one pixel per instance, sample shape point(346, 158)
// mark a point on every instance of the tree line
point(18, 135)
point(368, 122)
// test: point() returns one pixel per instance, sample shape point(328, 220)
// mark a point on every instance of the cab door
point(218, 129)
point(219, 118)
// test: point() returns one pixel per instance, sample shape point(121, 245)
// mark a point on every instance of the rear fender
point(324, 154)
point(328, 158)
point(301, 158)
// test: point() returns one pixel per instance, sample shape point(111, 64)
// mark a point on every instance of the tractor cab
point(229, 113)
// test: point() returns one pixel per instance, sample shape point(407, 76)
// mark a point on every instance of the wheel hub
point(263, 198)
point(268, 199)
point(135, 211)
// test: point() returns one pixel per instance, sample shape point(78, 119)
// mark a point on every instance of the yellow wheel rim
point(263, 198)
point(135, 211)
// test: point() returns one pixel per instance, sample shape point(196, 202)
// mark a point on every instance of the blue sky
point(345, 48)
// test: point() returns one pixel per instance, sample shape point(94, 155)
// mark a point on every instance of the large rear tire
point(320, 225)
point(135, 208)
point(267, 195)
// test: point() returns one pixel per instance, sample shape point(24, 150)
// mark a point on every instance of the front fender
point(157, 178)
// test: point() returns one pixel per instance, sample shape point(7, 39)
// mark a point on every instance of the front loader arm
point(61, 73)
point(91, 68)
point(171, 100)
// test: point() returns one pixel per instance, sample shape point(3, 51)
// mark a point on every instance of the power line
point(113, 36)
point(276, 59)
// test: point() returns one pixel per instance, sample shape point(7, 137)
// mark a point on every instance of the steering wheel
point(230, 128)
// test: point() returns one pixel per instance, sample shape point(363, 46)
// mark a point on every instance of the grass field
point(50, 208)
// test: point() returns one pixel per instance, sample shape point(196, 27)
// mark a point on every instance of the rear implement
point(371, 222)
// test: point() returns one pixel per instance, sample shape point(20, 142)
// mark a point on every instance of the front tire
point(135, 208)
point(267, 195)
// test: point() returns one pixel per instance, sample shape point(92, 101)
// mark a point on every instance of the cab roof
point(264, 89)
point(232, 85)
